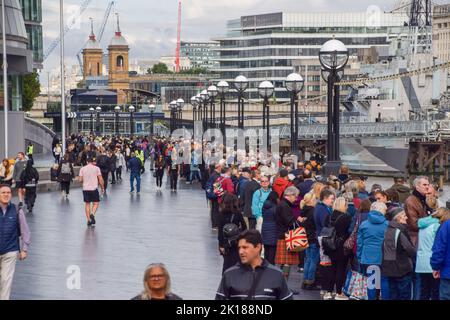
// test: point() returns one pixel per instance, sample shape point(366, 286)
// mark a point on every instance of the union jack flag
point(296, 240)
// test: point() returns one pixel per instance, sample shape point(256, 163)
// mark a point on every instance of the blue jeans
point(312, 256)
point(195, 174)
point(374, 294)
point(444, 290)
point(400, 288)
point(138, 181)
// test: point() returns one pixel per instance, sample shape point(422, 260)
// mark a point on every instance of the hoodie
point(428, 228)
point(280, 185)
point(370, 239)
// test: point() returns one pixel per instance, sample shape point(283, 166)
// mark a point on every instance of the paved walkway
point(132, 231)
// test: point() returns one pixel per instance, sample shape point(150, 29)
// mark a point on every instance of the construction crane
point(420, 24)
point(100, 32)
point(73, 21)
point(177, 53)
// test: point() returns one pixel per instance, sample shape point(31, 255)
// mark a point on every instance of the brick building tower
point(92, 57)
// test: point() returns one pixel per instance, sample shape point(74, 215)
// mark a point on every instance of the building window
point(119, 62)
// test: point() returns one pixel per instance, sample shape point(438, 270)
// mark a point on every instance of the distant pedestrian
point(19, 167)
point(157, 284)
point(159, 173)
point(30, 179)
point(134, 164)
point(57, 151)
point(120, 163)
point(91, 177)
point(13, 228)
point(65, 175)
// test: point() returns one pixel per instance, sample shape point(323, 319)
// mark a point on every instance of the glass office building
point(32, 15)
point(268, 46)
point(201, 54)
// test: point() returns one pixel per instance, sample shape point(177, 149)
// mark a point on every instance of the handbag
point(296, 239)
point(349, 244)
point(357, 289)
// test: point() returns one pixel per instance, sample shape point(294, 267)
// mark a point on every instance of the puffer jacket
point(259, 198)
point(428, 228)
point(309, 224)
point(370, 239)
point(398, 251)
point(269, 231)
point(284, 218)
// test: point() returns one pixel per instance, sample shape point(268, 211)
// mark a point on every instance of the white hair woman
point(157, 284)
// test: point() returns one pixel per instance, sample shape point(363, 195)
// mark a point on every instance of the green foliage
point(159, 68)
point(31, 90)
point(195, 70)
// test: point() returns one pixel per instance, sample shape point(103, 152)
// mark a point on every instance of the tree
point(31, 90)
point(160, 68)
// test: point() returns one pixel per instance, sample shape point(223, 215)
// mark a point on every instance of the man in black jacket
point(249, 189)
point(104, 163)
point(253, 278)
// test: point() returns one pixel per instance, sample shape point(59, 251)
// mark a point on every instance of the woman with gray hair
point(157, 284)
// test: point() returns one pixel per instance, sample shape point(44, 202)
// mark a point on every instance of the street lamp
point(213, 92)
point(294, 84)
point(205, 97)
point(117, 110)
point(92, 110)
point(241, 84)
point(223, 87)
point(180, 106)
point(132, 109)
point(98, 110)
point(266, 90)
point(152, 109)
point(173, 108)
point(333, 57)
point(194, 104)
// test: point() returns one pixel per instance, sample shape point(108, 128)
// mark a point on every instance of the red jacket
point(280, 185)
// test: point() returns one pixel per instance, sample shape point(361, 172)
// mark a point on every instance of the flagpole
point(5, 80)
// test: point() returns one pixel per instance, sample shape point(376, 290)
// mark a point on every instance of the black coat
point(225, 218)
point(309, 225)
point(104, 163)
point(284, 217)
point(250, 188)
point(65, 177)
point(341, 222)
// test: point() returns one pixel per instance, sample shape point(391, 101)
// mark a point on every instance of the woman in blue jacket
point(428, 227)
point(440, 260)
point(369, 246)
point(269, 231)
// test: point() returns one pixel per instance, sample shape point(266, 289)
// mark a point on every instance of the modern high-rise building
point(32, 15)
point(201, 54)
point(269, 46)
point(441, 32)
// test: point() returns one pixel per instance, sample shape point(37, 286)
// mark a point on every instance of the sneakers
point(327, 296)
point(89, 224)
point(341, 297)
point(92, 219)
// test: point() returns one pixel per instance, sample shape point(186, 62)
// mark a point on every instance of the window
point(120, 62)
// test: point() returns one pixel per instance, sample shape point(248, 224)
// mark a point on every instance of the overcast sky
point(150, 25)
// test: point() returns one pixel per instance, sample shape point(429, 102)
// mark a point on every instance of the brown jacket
point(415, 210)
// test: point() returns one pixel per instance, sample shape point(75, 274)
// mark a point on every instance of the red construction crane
point(177, 54)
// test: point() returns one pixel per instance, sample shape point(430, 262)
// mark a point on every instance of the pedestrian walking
point(134, 164)
point(57, 151)
point(65, 175)
point(157, 284)
point(19, 167)
point(159, 173)
point(120, 163)
point(13, 228)
point(174, 172)
point(30, 179)
point(91, 177)
point(104, 164)
point(253, 278)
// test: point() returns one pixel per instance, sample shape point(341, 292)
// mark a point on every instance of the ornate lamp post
point(116, 111)
point(180, 106)
point(194, 104)
point(205, 97)
point(173, 108)
point(97, 130)
point(266, 90)
point(241, 84)
point(152, 109)
point(333, 57)
point(213, 92)
point(294, 84)
point(223, 87)
point(200, 111)
point(132, 109)
point(92, 110)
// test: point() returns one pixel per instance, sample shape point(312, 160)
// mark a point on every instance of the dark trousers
point(429, 287)
point(30, 197)
point(269, 253)
point(215, 215)
point(252, 223)
point(173, 180)
point(159, 177)
point(444, 289)
point(400, 288)
point(230, 258)
point(119, 173)
point(113, 176)
point(65, 186)
point(105, 178)
point(335, 275)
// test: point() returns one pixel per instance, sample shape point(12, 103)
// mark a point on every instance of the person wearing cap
point(399, 255)
point(282, 183)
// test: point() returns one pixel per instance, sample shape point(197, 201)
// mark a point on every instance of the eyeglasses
point(157, 276)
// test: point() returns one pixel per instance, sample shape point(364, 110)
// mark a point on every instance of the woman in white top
point(57, 151)
point(120, 162)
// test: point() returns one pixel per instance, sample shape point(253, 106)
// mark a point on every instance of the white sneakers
point(341, 296)
point(328, 296)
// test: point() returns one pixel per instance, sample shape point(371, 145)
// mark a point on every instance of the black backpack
point(231, 232)
point(329, 239)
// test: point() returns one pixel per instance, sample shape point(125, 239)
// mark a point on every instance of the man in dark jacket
point(403, 190)
point(416, 206)
point(253, 278)
point(250, 188)
point(135, 166)
point(104, 163)
point(307, 183)
point(323, 209)
point(215, 215)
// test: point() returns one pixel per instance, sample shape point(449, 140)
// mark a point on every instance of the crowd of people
point(349, 233)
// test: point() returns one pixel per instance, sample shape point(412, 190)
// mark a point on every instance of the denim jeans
point(312, 256)
point(195, 174)
point(138, 181)
point(444, 290)
point(374, 294)
point(400, 288)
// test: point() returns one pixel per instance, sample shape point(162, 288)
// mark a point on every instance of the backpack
point(231, 232)
point(218, 189)
point(65, 168)
point(209, 189)
point(329, 239)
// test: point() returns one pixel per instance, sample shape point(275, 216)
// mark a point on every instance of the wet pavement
point(132, 231)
